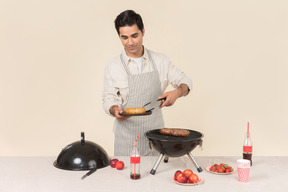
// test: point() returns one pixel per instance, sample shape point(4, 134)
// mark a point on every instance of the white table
point(37, 174)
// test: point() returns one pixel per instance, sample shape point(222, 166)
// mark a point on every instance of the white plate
point(201, 180)
point(207, 169)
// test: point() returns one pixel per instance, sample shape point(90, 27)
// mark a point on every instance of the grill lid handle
point(82, 138)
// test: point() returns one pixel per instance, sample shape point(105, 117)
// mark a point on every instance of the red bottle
point(247, 146)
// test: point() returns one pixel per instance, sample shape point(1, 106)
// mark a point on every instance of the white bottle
point(135, 163)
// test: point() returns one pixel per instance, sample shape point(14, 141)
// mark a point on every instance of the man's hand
point(115, 110)
point(172, 96)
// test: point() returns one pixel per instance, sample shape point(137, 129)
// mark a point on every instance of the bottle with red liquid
point(247, 146)
point(135, 163)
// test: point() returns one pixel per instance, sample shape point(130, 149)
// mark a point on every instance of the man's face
point(132, 39)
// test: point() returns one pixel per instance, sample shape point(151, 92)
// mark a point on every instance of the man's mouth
point(131, 47)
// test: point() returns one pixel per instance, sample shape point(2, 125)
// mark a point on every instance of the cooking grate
point(155, 134)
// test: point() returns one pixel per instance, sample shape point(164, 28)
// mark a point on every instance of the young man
point(135, 78)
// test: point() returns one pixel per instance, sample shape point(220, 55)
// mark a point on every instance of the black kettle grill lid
point(82, 155)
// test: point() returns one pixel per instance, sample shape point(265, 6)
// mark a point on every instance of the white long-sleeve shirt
point(116, 88)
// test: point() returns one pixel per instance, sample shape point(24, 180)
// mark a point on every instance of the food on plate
point(175, 132)
point(221, 168)
point(176, 174)
point(113, 162)
point(135, 110)
point(188, 172)
point(181, 177)
point(119, 165)
point(193, 178)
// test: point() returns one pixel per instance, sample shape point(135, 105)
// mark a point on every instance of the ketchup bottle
point(247, 146)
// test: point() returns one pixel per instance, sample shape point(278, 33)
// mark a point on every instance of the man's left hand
point(172, 96)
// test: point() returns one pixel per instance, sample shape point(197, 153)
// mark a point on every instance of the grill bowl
point(174, 146)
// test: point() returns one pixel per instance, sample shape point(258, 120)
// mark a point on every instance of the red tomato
point(119, 165)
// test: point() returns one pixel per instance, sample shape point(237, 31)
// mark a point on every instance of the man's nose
point(130, 41)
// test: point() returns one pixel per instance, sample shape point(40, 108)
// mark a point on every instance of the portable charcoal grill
point(171, 146)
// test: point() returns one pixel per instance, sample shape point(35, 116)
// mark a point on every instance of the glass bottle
point(135, 163)
point(247, 148)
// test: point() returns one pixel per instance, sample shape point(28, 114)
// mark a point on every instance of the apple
point(119, 165)
point(182, 178)
point(193, 178)
point(176, 174)
point(188, 172)
point(113, 162)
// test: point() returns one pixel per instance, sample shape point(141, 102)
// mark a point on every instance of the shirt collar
point(127, 59)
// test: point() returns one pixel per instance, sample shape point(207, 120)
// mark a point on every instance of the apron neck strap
point(127, 68)
point(152, 61)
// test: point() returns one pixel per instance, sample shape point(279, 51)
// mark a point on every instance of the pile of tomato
point(221, 168)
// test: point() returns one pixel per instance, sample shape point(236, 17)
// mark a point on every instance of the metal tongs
point(152, 104)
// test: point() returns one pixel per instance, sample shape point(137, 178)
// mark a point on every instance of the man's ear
point(143, 32)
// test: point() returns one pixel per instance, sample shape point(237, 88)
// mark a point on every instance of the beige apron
point(143, 88)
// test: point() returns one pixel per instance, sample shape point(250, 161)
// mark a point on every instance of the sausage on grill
point(175, 132)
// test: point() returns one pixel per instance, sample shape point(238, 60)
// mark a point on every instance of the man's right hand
point(115, 110)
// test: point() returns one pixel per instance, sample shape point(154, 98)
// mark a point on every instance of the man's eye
point(134, 36)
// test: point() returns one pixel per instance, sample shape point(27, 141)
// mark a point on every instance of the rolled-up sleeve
point(170, 74)
point(176, 77)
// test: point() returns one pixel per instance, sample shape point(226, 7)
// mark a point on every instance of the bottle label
point(247, 149)
point(134, 160)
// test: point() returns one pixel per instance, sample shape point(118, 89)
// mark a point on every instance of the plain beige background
point(53, 54)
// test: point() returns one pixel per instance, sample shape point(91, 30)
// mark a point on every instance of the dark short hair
point(128, 17)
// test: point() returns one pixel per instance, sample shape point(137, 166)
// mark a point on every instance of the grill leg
point(166, 159)
point(199, 169)
point(153, 170)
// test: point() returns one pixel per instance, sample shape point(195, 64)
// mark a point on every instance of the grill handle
point(200, 143)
